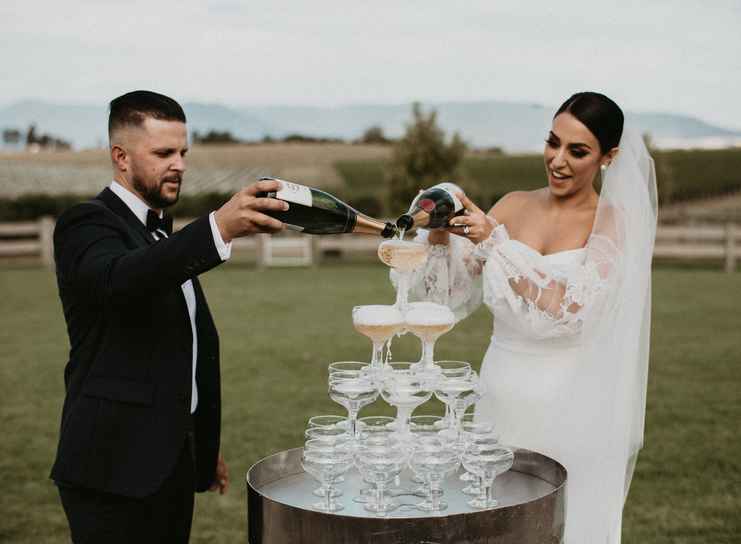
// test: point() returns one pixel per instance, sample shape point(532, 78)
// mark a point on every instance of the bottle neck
point(368, 225)
point(417, 219)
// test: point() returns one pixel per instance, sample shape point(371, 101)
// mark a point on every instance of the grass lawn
point(280, 328)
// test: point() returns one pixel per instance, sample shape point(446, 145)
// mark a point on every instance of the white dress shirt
point(140, 209)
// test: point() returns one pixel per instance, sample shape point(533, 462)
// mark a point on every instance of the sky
point(649, 56)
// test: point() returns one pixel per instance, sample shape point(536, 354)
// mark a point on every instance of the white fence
point(700, 242)
point(694, 242)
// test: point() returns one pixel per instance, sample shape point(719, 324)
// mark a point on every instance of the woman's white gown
point(541, 391)
point(567, 366)
point(536, 397)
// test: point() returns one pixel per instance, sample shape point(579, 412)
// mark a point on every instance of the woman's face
point(572, 156)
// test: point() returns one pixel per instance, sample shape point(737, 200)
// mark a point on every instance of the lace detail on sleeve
point(498, 236)
point(548, 301)
point(451, 276)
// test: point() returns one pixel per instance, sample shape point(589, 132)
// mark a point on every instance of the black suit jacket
point(128, 380)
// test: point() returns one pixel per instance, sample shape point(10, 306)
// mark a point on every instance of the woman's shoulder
point(513, 204)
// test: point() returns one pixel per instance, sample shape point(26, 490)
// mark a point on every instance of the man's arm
point(91, 255)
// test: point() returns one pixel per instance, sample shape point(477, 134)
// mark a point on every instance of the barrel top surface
point(281, 479)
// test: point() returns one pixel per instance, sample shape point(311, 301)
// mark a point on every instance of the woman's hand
point(474, 225)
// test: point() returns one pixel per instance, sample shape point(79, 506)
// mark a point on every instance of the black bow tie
point(154, 222)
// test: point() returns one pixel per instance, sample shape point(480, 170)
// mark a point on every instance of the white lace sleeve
point(550, 302)
point(451, 276)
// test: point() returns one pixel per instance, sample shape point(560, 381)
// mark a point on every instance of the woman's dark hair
point(132, 108)
point(599, 114)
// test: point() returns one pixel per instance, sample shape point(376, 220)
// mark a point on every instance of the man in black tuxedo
point(141, 417)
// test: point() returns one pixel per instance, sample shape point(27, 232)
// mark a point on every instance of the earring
point(603, 168)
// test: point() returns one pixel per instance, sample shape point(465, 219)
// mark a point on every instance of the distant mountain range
point(513, 126)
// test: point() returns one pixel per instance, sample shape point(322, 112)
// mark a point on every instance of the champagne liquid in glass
point(379, 323)
point(379, 332)
point(402, 255)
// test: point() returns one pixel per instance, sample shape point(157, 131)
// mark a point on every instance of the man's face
point(156, 153)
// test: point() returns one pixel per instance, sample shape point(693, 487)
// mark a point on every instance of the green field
point(279, 330)
point(32, 185)
point(681, 175)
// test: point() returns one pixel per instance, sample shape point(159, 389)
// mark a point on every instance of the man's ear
point(119, 157)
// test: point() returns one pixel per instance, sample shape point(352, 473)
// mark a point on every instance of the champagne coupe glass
point(432, 460)
point(421, 427)
point(330, 436)
point(428, 321)
point(474, 430)
point(348, 366)
point(373, 429)
point(470, 390)
point(403, 388)
point(426, 426)
point(380, 461)
point(326, 463)
point(452, 369)
point(379, 323)
point(403, 256)
point(487, 458)
point(352, 390)
point(457, 392)
point(376, 426)
point(327, 421)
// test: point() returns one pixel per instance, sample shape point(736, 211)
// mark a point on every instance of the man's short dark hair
point(132, 108)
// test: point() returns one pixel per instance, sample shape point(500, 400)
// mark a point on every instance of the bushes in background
point(32, 206)
point(681, 175)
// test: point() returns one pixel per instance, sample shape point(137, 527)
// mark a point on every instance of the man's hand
point(242, 214)
point(221, 483)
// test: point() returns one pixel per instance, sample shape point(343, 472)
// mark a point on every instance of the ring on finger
point(467, 230)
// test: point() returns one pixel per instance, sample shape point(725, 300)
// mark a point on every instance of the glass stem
point(489, 491)
point(352, 419)
point(434, 493)
point(483, 496)
point(379, 495)
point(429, 354)
point(458, 413)
point(377, 360)
point(402, 419)
point(328, 495)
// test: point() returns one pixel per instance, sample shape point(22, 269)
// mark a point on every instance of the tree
point(422, 158)
point(214, 137)
point(11, 136)
point(31, 135)
point(374, 135)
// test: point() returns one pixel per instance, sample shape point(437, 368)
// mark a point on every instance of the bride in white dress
point(566, 272)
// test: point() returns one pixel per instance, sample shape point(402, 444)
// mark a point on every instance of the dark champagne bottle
point(315, 212)
point(432, 208)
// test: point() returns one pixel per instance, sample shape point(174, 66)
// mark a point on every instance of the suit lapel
point(119, 207)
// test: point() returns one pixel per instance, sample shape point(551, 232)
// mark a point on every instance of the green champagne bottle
point(432, 208)
point(317, 212)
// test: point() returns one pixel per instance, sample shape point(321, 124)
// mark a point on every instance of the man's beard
point(153, 195)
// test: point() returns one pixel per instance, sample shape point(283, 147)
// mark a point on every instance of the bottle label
point(293, 192)
point(451, 189)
